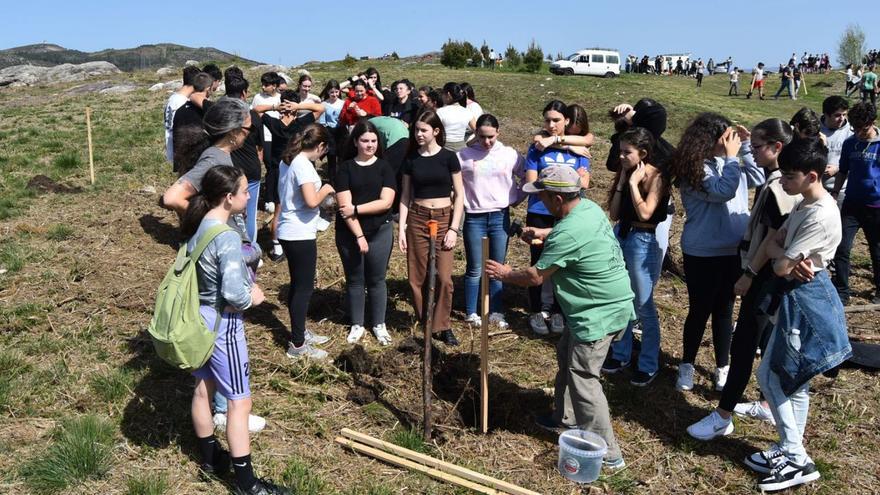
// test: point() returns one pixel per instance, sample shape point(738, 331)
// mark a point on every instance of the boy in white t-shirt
point(175, 101)
point(757, 81)
point(809, 336)
point(734, 82)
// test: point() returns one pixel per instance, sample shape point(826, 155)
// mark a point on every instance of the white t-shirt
point(475, 108)
point(175, 101)
point(264, 99)
point(455, 119)
point(759, 74)
point(297, 222)
point(734, 76)
point(813, 231)
point(309, 99)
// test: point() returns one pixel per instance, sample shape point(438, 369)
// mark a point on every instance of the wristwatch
point(749, 272)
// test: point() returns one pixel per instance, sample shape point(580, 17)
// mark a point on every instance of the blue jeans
point(494, 225)
point(789, 411)
point(642, 254)
point(250, 216)
point(220, 403)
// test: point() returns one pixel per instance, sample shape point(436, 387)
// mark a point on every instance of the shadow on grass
point(161, 232)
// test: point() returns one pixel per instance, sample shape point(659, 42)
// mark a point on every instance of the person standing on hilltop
point(175, 101)
point(757, 81)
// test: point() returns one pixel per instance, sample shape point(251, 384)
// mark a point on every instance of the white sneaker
point(255, 423)
point(355, 334)
point(721, 377)
point(538, 324)
point(270, 208)
point(474, 320)
point(710, 427)
point(382, 334)
point(557, 323)
point(306, 351)
point(754, 410)
point(637, 328)
point(315, 339)
point(685, 377)
point(498, 320)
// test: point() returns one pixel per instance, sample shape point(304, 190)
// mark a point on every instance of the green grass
point(59, 232)
point(15, 319)
point(301, 480)
point(80, 450)
point(67, 161)
point(12, 366)
point(409, 439)
point(111, 386)
point(151, 484)
point(13, 255)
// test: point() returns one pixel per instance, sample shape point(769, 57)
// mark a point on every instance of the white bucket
point(580, 455)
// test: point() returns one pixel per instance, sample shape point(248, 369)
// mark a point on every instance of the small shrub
point(395, 56)
point(349, 61)
point(533, 57)
point(59, 232)
point(80, 450)
point(67, 161)
point(111, 386)
point(148, 485)
point(512, 57)
point(299, 478)
point(454, 54)
point(409, 439)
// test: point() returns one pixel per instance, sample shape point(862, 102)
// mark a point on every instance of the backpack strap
point(206, 239)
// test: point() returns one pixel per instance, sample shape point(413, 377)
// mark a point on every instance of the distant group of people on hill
point(406, 155)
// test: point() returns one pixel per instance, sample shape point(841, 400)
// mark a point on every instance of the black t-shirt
point(188, 115)
point(365, 182)
point(403, 111)
point(431, 176)
point(771, 216)
point(246, 157)
point(282, 134)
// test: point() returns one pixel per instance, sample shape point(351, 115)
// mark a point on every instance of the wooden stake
point(89, 133)
point(484, 344)
point(804, 82)
point(861, 308)
point(400, 461)
point(437, 463)
point(427, 376)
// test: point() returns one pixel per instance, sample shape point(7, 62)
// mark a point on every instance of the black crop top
point(628, 211)
point(431, 176)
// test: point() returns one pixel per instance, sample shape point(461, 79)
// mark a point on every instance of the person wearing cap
point(583, 259)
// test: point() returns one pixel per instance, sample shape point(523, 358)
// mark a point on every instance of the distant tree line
point(457, 54)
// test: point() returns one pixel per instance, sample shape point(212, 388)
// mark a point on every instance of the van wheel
point(568, 72)
point(610, 75)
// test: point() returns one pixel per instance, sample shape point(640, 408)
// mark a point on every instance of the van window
point(612, 59)
point(583, 58)
point(597, 58)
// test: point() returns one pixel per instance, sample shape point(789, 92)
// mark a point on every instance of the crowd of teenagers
point(401, 155)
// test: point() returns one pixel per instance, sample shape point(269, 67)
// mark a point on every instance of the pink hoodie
point(489, 177)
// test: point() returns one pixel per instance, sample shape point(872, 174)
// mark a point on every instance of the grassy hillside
point(79, 272)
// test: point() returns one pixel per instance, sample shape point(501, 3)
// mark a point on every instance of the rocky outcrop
point(102, 87)
point(268, 68)
point(29, 75)
point(166, 72)
point(168, 86)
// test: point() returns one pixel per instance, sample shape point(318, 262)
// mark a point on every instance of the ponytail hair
point(773, 131)
point(310, 138)
point(216, 184)
point(456, 93)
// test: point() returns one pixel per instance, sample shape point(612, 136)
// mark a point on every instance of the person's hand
point(534, 236)
point(543, 142)
point(289, 106)
point(623, 109)
point(401, 239)
point(731, 142)
point(780, 236)
point(449, 240)
point(743, 132)
point(363, 245)
point(803, 271)
point(327, 189)
point(496, 270)
point(823, 139)
point(742, 285)
point(346, 211)
point(831, 169)
point(580, 150)
point(257, 296)
point(353, 106)
point(637, 175)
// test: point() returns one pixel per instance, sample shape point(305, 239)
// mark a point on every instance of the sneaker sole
point(757, 467)
point(643, 384)
point(682, 388)
point(723, 433)
point(612, 371)
point(770, 420)
point(800, 480)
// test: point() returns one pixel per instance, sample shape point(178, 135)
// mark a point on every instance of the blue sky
point(296, 32)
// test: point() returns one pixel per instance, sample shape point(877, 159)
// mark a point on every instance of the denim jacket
point(810, 331)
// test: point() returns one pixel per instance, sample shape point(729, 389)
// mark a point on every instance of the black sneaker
point(642, 379)
point(547, 422)
point(275, 256)
point(218, 469)
point(612, 366)
point(264, 486)
point(449, 338)
point(787, 474)
point(764, 462)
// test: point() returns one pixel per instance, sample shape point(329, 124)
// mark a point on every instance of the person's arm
point(403, 213)
point(754, 173)
point(527, 277)
point(842, 170)
point(584, 173)
point(235, 285)
point(757, 262)
point(313, 198)
point(352, 222)
point(178, 195)
point(457, 211)
point(261, 109)
point(646, 206)
point(617, 196)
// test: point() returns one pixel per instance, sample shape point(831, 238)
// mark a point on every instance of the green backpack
point(179, 335)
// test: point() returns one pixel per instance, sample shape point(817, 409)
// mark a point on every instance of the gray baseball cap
point(556, 178)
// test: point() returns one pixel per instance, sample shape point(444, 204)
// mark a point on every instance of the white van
point(603, 62)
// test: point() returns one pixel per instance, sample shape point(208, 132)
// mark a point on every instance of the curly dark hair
point(862, 114)
point(696, 145)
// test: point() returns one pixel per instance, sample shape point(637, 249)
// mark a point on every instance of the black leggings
point(710, 283)
point(302, 284)
point(752, 331)
point(365, 271)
